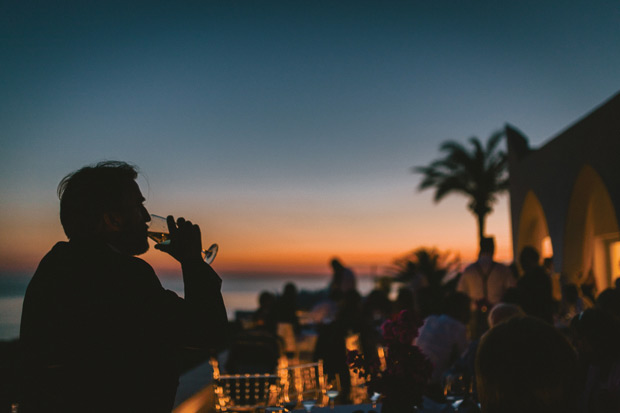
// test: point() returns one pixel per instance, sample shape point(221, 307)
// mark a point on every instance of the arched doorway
point(592, 235)
point(533, 230)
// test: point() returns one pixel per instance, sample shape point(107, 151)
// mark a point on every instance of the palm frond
point(479, 172)
point(493, 141)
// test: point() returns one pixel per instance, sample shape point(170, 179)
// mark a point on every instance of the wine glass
point(332, 390)
point(308, 404)
point(290, 403)
point(158, 232)
point(374, 399)
point(456, 387)
point(310, 399)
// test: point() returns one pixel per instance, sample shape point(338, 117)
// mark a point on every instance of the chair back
point(243, 392)
point(302, 381)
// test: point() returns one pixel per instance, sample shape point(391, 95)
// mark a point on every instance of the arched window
point(591, 231)
point(533, 230)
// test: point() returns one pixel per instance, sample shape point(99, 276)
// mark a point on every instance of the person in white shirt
point(486, 279)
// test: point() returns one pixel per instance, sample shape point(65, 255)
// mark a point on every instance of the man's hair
point(529, 258)
point(525, 365)
point(86, 194)
point(503, 312)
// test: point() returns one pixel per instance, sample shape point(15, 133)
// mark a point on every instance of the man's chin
point(144, 248)
point(137, 247)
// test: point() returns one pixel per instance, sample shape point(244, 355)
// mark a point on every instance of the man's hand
point(185, 241)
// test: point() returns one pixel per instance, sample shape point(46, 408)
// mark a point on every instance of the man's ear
point(112, 222)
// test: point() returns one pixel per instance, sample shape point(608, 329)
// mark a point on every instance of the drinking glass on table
point(332, 389)
point(290, 403)
point(308, 404)
point(374, 399)
point(158, 231)
point(457, 386)
point(310, 399)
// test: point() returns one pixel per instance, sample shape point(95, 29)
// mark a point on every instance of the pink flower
point(407, 370)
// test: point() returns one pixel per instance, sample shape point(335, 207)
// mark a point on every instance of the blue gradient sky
point(286, 129)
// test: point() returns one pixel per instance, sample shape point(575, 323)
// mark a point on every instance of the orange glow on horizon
point(297, 261)
point(304, 246)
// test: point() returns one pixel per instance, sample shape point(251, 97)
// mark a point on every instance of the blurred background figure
point(265, 316)
point(556, 285)
point(486, 279)
point(464, 368)
point(288, 322)
point(286, 307)
point(485, 282)
point(571, 305)
point(596, 336)
point(376, 308)
point(504, 312)
point(343, 278)
point(256, 348)
point(526, 365)
point(443, 338)
point(588, 285)
point(535, 286)
point(405, 300)
point(609, 301)
point(331, 345)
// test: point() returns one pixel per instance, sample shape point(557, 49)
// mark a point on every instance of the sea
point(240, 293)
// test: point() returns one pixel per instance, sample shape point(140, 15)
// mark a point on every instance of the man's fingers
point(172, 227)
point(197, 231)
point(185, 240)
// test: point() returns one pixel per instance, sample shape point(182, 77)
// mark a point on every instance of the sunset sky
point(286, 129)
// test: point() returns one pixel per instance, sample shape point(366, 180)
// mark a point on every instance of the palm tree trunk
point(481, 222)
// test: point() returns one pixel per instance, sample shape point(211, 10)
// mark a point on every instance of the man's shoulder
point(471, 269)
point(75, 257)
point(60, 248)
point(61, 252)
point(137, 262)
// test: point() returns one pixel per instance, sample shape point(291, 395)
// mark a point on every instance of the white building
point(565, 196)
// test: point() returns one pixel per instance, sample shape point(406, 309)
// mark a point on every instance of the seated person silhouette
point(526, 365)
point(256, 350)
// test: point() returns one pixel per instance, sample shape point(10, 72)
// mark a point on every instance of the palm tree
point(432, 264)
point(480, 174)
point(431, 273)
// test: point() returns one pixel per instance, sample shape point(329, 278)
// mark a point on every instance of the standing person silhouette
point(486, 279)
point(99, 333)
point(343, 278)
point(535, 286)
point(485, 282)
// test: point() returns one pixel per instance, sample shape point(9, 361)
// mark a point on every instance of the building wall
point(575, 180)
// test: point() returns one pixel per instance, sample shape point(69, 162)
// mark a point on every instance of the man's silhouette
point(98, 331)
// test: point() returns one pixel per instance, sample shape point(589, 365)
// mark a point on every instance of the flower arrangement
point(402, 380)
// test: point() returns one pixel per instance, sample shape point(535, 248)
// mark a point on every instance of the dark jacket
point(100, 333)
